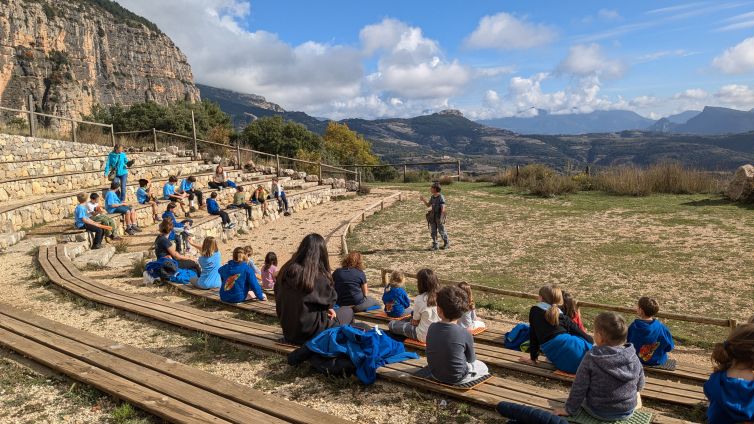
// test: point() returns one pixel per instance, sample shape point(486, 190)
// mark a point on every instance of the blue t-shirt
point(142, 196)
point(111, 198)
point(186, 185)
point(348, 282)
point(212, 206)
point(168, 190)
point(79, 214)
point(210, 278)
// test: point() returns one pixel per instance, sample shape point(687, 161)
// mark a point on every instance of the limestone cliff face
point(72, 54)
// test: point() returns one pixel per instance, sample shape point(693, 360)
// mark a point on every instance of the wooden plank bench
point(64, 274)
point(163, 387)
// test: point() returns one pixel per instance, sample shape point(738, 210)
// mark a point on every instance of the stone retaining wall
point(43, 167)
point(19, 189)
point(18, 147)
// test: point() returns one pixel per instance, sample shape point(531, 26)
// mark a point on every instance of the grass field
point(694, 253)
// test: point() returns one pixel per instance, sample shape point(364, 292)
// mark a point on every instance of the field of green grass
point(693, 253)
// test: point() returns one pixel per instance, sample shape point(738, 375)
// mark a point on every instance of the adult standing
point(117, 164)
point(305, 294)
point(436, 216)
point(351, 284)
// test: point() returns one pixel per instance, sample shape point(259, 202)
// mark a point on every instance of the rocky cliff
point(72, 54)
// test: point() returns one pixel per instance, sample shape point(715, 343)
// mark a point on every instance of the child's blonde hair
point(397, 279)
point(248, 250)
point(209, 246)
point(737, 349)
point(467, 288)
point(554, 296)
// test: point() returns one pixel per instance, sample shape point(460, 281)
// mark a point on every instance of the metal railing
point(406, 165)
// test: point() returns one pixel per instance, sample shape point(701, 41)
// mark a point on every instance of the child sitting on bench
point(180, 233)
point(237, 279)
point(145, 197)
point(450, 348)
point(651, 338)
point(564, 343)
point(425, 309)
point(214, 209)
point(469, 319)
point(82, 221)
point(113, 204)
point(188, 187)
point(730, 389)
point(239, 201)
point(98, 215)
point(571, 309)
point(610, 377)
point(269, 271)
point(170, 192)
point(395, 297)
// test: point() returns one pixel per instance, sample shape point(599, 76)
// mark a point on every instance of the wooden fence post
point(459, 170)
point(74, 138)
point(238, 154)
point(277, 166)
point(154, 138)
point(193, 127)
point(112, 134)
point(732, 324)
point(384, 277)
point(517, 171)
point(320, 171)
point(32, 119)
point(404, 173)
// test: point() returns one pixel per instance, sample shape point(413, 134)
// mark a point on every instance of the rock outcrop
point(73, 54)
point(741, 186)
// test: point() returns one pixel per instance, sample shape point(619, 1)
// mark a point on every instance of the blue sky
point(389, 58)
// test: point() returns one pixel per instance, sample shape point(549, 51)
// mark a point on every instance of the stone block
point(95, 258)
point(125, 260)
point(311, 178)
point(27, 245)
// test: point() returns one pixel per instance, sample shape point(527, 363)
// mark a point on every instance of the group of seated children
point(93, 217)
point(424, 312)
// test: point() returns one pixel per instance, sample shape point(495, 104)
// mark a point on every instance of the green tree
point(347, 147)
point(276, 136)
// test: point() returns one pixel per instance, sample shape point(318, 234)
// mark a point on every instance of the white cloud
point(649, 57)
point(504, 31)
point(588, 59)
point(691, 94)
point(736, 96)
point(738, 59)
point(608, 15)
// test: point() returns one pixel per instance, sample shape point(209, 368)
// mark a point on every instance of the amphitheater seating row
point(61, 271)
point(165, 388)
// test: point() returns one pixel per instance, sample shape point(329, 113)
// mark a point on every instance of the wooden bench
point(163, 387)
point(63, 273)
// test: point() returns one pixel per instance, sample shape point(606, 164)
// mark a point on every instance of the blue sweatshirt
point(116, 161)
point(731, 400)
point(170, 215)
point(212, 207)
point(237, 279)
point(399, 299)
point(652, 341)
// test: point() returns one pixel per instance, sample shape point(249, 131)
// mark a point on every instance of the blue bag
point(517, 337)
point(230, 184)
point(183, 276)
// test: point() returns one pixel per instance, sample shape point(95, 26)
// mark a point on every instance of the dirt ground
point(29, 394)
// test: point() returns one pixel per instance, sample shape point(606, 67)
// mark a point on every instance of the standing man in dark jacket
point(436, 216)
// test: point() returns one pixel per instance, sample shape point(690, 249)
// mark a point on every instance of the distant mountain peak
point(451, 112)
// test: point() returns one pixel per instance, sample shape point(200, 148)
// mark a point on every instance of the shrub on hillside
point(418, 176)
point(670, 178)
point(447, 180)
point(539, 180)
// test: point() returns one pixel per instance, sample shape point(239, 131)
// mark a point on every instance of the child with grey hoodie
point(610, 376)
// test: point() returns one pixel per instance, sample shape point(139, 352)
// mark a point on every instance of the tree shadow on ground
point(377, 251)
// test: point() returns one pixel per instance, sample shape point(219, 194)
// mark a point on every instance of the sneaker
point(130, 231)
point(188, 215)
point(97, 246)
point(287, 213)
point(435, 247)
point(445, 246)
point(230, 225)
point(192, 209)
point(137, 229)
point(116, 238)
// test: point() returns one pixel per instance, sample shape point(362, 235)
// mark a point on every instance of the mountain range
point(599, 121)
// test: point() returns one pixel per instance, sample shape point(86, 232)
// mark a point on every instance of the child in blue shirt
point(180, 233)
point(651, 338)
point(145, 197)
point(214, 209)
point(209, 261)
point(169, 192)
point(188, 187)
point(113, 204)
point(730, 389)
point(81, 220)
point(395, 298)
point(237, 279)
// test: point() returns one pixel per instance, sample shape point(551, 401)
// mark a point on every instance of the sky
point(397, 58)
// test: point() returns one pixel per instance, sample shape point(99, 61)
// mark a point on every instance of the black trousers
point(223, 216)
point(99, 233)
point(198, 194)
point(187, 264)
point(215, 185)
point(244, 206)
